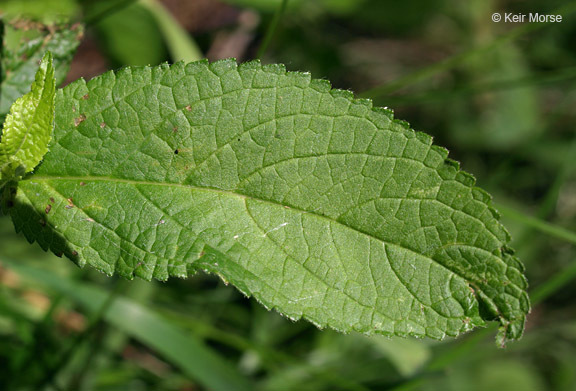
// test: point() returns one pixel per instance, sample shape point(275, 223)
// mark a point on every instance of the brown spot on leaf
point(189, 108)
point(48, 208)
point(79, 120)
point(85, 97)
point(175, 129)
point(70, 203)
point(82, 183)
point(74, 253)
point(103, 125)
point(25, 24)
point(52, 200)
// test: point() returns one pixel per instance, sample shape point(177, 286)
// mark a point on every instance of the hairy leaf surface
point(317, 204)
point(28, 127)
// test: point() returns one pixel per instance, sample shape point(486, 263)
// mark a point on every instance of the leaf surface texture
point(28, 128)
point(318, 205)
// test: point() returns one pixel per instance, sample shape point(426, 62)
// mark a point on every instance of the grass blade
point(272, 29)
point(540, 225)
point(182, 47)
point(184, 351)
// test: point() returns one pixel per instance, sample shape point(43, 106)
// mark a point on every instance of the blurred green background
point(499, 96)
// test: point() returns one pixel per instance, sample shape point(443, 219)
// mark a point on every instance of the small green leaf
point(28, 128)
point(315, 203)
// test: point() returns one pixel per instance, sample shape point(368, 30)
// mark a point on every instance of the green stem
point(272, 29)
point(548, 203)
point(553, 284)
point(180, 44)
point(453, 61)
point(538, 224)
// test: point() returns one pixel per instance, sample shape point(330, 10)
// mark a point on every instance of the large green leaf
point(317, 204)
point(28, 127)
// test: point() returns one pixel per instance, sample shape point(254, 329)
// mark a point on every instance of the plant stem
point(538, 224)
point(548, 203)
point(272, 29)
point(553, 284)
point(180, 44)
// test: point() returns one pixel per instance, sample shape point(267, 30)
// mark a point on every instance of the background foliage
point(498, 95)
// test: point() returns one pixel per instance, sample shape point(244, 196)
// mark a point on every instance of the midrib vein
point(44, 178)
